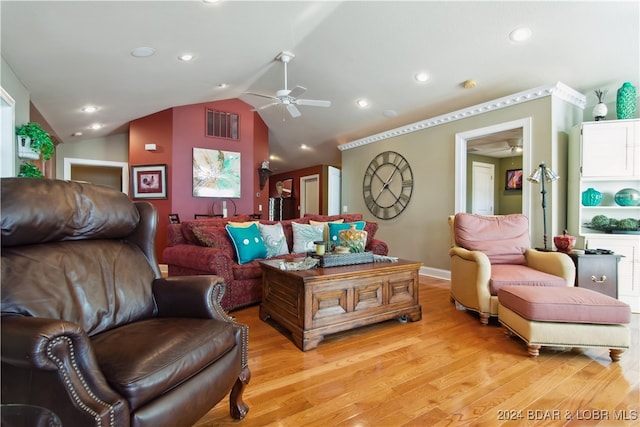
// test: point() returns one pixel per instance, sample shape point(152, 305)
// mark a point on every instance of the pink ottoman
point(565, 317)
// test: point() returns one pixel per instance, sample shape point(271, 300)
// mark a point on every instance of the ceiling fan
point(289, 98)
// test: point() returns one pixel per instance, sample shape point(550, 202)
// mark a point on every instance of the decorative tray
point(335, 260)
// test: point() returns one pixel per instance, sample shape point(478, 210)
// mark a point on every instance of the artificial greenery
point(29, 170)
point(40, 140)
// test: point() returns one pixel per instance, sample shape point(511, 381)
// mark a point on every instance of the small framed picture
point(149, 181)
point(513, 179)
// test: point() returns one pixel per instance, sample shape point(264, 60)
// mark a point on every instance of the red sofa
point(213, 253)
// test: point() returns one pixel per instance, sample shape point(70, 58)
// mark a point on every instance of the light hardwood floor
point(446, 370)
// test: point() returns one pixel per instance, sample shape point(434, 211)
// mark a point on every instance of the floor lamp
point(539, 176)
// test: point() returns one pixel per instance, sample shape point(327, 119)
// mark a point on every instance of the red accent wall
point(176, 132)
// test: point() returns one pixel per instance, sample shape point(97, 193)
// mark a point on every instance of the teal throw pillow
point(248, 243)
point(334, 230)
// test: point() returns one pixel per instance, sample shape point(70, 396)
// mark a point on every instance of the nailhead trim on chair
point(244, 329)
point(67, 381)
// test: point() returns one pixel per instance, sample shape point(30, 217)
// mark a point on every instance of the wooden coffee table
point(313, 303)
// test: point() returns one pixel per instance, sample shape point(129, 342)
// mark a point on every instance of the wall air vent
point(222, 125)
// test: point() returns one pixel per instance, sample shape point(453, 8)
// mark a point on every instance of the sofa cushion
point(274, 239)
point(247, 242)
point(564, 304)
point(520, 275)
point(335, 229)
point(370, 228)
point(503, 238)
point(304, 235)
point(129, 357)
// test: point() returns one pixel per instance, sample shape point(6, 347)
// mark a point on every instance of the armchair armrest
point(190, 296)
point(555, 263)
point(470, 275)
point(32, 345)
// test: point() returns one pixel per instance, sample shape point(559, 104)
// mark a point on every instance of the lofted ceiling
point(75, 53)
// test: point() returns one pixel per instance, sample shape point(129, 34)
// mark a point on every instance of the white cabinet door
point(608, 149)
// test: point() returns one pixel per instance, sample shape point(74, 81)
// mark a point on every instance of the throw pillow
point(248, 243)
point(334, 230)
point(304, 235)
point(325, 234)
point(212, 236)
point(274, 239)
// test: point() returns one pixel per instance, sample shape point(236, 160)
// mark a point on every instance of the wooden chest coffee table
point(313, 303)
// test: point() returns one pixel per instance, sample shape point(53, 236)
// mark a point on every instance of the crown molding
point(558, 89)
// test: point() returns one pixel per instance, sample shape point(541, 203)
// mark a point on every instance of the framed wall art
point(513, 179)
point(149, 181)
point(216, 173)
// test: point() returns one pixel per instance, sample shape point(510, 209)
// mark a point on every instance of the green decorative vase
point(591, 197)
point(627, 197)
point(626, 101)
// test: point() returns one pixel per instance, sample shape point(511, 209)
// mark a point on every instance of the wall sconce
point(264, 173)
point(539, 176)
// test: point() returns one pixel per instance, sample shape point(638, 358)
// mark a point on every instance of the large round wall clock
point(387, 185)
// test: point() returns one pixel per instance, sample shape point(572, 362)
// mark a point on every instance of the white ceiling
point(70, 54)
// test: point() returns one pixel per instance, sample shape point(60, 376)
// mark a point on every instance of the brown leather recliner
point(90, 329)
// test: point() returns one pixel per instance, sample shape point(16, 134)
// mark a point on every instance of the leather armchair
point(488, 252)
point(90, 329)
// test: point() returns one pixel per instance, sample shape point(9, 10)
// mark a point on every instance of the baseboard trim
point(435, 272)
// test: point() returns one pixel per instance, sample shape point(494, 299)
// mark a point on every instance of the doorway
point(309, 194)
point(98, 172)
point(463, 139)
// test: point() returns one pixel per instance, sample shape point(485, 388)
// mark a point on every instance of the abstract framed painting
point(149, 181)
point(216, 173)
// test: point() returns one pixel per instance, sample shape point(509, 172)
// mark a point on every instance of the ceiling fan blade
point(261, 95)
point(293, 110)
point(297, 91)
point(267, 106)
point(313, 102)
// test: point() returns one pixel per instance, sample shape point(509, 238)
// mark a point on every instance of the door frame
point(460, 203)
point(123, 166)
point(303, 195)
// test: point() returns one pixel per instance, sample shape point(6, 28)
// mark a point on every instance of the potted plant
point(33, 143)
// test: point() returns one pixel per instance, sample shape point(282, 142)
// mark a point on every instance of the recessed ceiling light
point(422, 77)
point(143, 52)
point(89, 109)
point(96, 126)
point(520, 34)
point(185, 57)
point(362, 103)
point(76, 134)
point(390, 113)
point(304, 146)
point(222, 85)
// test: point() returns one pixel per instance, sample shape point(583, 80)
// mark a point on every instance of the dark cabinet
point(597, 272)
point(282, 208)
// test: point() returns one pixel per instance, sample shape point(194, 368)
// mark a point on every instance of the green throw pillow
point(248, 243)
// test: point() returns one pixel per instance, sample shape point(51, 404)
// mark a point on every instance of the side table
point(597, 272)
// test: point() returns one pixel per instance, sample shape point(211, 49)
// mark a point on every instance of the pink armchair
point(488, 252)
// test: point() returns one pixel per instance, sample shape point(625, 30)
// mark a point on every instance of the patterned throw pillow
point(247, 242)
point(334, 230)
point(304, 235)
point(274, 239)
